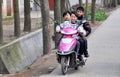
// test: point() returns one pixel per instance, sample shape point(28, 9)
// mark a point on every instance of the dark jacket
point(86, 25)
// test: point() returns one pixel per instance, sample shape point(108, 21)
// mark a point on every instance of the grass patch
point(39, 25)
point(8, 18)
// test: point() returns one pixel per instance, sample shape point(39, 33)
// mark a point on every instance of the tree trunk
point(86, 9)
point(107, 3)
point(57, 16)
point(68, 5)
point(62, 9)
point(110, 3)
point(114, 3)
point(1, 27)
point(16, 18)
point(118, 2)
point(27, 20)
point(45, 24)
point(93, 11)
point(80, 2)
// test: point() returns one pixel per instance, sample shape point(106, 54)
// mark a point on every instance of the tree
point(62, 4)
point(16, 18)
point(27, 20)
point(80, 2)
point(118, 2)
point(57, 16)
point(45, 24)
point(86, 9)
point(105, 3)
point(114, 3)
point(110, 3)
point(67, 5)
point(93, 11)
point(1, 27)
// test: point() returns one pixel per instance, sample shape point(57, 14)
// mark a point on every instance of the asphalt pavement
point(104, 50)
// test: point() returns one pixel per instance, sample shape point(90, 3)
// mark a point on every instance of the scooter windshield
point(68, 31)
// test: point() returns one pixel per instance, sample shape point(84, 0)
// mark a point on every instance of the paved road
point(104, 49)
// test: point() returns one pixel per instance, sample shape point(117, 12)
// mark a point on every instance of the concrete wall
point(22, 52)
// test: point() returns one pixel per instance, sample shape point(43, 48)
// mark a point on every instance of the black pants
point(83, 46)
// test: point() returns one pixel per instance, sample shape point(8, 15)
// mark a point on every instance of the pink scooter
point(67, 53)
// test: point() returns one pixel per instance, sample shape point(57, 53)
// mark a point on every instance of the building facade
point(7, 8)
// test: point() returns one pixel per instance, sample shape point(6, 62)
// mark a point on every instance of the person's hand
point(81, 34)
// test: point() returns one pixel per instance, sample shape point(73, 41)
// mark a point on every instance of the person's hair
point(66, 12)
point(74, 12)
point(80, 8)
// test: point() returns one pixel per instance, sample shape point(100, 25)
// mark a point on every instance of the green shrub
point(99, 15)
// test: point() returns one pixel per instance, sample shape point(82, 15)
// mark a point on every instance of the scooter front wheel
point(64, 66)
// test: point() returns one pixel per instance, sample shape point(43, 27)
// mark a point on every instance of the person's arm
point(87, 27)
point(58, 28)
point(81, 31)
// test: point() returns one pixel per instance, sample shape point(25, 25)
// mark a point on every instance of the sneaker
point(86, 55)
point(79, 57)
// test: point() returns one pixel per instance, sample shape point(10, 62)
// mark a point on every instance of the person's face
point(79, 13)
point(67, 17)
point(73, 18)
